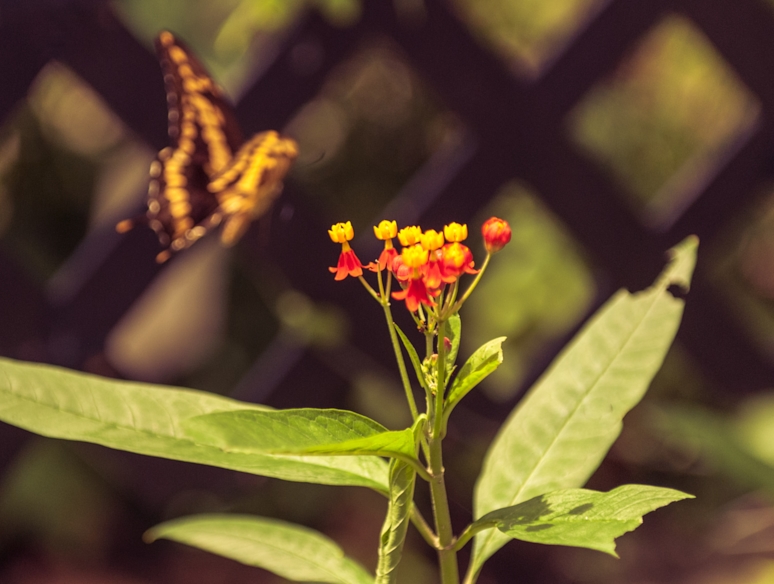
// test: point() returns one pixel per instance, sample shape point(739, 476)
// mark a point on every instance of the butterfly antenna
point(313, 162)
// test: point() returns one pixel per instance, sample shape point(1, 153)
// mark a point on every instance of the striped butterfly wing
point(203, 138)
point(251, 181)
point(200, 115)
point(185, 201)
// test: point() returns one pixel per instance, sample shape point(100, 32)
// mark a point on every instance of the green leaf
point(752, 424)
point(719, 441)
point(148, 419)
point(453, 331)
point(402, 481)
point(290, 551)
point(414, 358)
point(579, 517)
point(300, 431)
point(481, 363)
point(560, 432)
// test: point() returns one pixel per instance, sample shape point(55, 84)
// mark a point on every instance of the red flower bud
point(497, 233)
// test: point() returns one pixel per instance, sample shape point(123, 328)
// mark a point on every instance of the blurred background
point(605, 131)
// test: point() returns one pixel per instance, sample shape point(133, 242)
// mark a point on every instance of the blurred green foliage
point(371, 127)
point(53, 151)
point(53, 496)
point(230, 36)
point(527, 33)
point(665, 119)
point(535, 291)
point(743, 261)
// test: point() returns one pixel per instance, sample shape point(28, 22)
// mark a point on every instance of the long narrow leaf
point(481, 363)
point(563, 428)
point(301, 431)
point(291, 551)
point(148, 419)
point(393, 536)
point(453, 333)
point(413, 357)
point(579, 517)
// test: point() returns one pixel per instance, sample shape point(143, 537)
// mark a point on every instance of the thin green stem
point(380, 281)
point(417, 466)
point(473, 285)
point(469, 532)
point(423, 527)
point(371, 291)
point(450, 298)
point(383, 298)
point(447, 556)
point(401, 363)
point(437, 419)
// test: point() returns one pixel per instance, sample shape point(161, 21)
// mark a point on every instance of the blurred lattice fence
point(513, 127)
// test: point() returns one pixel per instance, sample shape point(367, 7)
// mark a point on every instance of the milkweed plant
point(530, 484)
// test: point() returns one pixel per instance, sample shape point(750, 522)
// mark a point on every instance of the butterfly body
point(208, 176)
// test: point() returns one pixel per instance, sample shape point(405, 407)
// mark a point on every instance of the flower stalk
point(428, 269)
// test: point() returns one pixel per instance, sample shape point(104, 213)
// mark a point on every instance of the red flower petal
point(415, 294)
point(349, 265)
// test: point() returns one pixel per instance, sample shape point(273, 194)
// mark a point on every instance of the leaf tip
point(682, 260)
point(151, 535)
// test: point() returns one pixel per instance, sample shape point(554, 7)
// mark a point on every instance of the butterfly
point(208, 177)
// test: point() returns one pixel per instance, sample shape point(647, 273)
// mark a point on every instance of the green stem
point(401, 363)
point(423, 527)
point(468, 534)
point(447, 556)
point(473, 285)
point(450, 299)
point(371, 291)
point(416, 466)
point(437, 419)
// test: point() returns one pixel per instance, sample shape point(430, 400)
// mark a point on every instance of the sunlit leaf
point(300, 431)
point(579, 517)
point(562, 429)
point(148, 419)
point(453, 332)
point(291, 551)
point(481, 363)
point(402, 480)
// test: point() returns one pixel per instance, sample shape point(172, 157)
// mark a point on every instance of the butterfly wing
point(194, 98)
point(252, 180)
point(206, 175)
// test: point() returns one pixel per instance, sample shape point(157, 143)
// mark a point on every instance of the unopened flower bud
point(497, 233)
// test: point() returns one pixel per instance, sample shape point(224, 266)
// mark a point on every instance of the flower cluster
point(428, 262)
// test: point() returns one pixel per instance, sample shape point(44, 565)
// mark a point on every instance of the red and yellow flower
point(432, 241)
point(385, 231)
point(428, 262)
point(416, 293)
point(410, 235)
point(454, 232)
point(349, 264)
point(457, 260)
